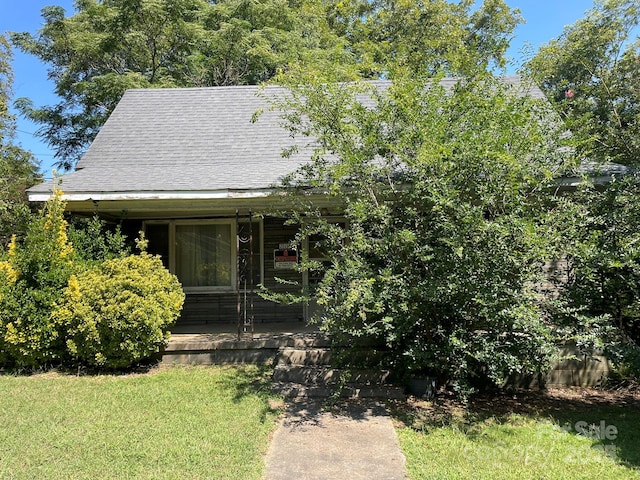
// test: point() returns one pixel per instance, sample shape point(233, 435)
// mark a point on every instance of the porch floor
point(229, 331)
point(219, 343)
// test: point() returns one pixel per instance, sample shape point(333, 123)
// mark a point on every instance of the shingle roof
point(184, 140)
point(192, 140)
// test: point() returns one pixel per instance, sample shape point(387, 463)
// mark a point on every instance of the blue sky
point(545, 20)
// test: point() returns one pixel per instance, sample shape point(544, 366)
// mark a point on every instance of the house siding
point(222, 307)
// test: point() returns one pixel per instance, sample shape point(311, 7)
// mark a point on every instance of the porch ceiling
point(187, 206)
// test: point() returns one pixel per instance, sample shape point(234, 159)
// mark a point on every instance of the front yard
point(215, 423)
point(559, 434)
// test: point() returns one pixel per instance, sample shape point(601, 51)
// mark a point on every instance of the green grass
point(538, 443)
point(215, 423)
point(178, 422)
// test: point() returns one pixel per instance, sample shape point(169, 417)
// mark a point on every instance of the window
point(157, 235)
point(202, 253)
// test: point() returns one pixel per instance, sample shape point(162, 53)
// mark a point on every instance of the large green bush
point(449, 212)
point(601, 299)
point(118, 312)
point(84, 302)
point(35, 272)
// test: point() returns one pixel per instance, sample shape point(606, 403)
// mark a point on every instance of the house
point(193, 170)
point(190, 168)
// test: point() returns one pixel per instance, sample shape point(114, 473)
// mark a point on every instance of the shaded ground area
point(354, 440)
point(543, 403)
point(579, 411)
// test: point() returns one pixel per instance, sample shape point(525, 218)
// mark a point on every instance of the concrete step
point(202, 342)
point(221, 357)
point(327, 375)
point(306, 356)
point(212, 349)
point(299, 391)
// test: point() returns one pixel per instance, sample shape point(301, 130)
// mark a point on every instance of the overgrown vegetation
point(451, 205)
point(589, 74)
point(450, 212)
point(600, 301)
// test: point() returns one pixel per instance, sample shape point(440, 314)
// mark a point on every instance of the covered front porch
point(225, 255)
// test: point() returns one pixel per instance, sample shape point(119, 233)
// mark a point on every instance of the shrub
point(94, 240)
point(33, 274)
point(448, 221)
point(117, 313)
point(603, 289)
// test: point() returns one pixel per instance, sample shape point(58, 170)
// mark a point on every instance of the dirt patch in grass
point(445, 408)
point(553, 400)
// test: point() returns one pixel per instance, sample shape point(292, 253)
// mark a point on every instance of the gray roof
point(191, 140)
point(187, 139)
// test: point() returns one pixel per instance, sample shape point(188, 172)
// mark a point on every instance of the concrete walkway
point(353, 441)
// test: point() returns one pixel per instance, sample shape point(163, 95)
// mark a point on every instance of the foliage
point(58, 303)
point(449, 212)
point(109, 46)
point(35, 272)
point(95, 240)
point(602, 295)
point(18, 170)
point(106, 47)
point(118, 312)
point(434, 36)
point(590, 73)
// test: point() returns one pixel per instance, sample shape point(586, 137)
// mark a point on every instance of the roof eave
point(153, 195)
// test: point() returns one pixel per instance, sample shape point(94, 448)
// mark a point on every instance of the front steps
point(302, 381)
point(306, 371)
point(302, 363)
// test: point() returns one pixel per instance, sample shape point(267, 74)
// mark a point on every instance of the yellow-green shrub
point(118, 312)
point(33, 273)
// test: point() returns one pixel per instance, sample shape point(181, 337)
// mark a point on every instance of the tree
point(590, 73)
point(18, 170)
point(108, 46)
point(437, 35)
point(449, 207)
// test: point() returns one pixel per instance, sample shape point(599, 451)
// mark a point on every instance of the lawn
point(215, 423)
point(556, 435)
point(178, 422)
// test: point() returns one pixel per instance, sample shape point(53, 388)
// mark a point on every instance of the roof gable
point(188, 139)
point(164, 142)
